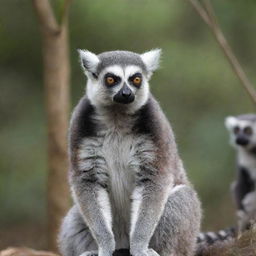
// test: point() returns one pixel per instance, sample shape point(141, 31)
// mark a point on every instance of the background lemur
point(242, 131)
point(243, 137)
point(128, 182)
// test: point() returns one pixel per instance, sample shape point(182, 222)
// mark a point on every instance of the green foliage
point(195, 86)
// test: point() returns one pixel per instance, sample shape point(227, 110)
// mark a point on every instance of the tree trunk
point(56, 82)
point(56, 73)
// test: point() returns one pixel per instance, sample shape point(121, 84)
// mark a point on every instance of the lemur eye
point(136, 80)
point(248, 130)
point(236, 130)
point(110, 80)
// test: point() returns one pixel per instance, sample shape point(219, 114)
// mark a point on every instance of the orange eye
point(236, 130)
point(110, 80)
point(137, 80)
point(248, 130)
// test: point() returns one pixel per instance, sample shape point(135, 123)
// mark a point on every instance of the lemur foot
point(249, 203)
point(152, 252)
point(89, 253)
point(245, 221)
point(149, 252)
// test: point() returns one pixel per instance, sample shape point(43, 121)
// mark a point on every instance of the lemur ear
point(151, 59)
point(230, 122)
point(89, 61)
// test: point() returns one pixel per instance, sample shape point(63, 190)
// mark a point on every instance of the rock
point(21, 251)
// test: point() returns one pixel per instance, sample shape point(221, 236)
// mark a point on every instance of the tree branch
point(208, 16)
point(200, 10)
point(45, 15)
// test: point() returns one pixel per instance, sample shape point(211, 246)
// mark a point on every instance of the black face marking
point(133, 82)
point(248, 131)
point(125, 95)
point(116, 79)
point(242, 140)
point(236, 130)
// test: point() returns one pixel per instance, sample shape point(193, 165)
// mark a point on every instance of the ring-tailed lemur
point(243, 138)
point(242, 131)
point(128, 182)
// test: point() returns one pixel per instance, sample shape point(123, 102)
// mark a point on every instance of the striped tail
point(208, 239)
point(212, 237)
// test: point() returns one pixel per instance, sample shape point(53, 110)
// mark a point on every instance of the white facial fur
point(231, 122)
point(100, 95)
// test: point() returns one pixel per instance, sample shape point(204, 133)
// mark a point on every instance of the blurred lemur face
point(119, 78)
point(242, 132)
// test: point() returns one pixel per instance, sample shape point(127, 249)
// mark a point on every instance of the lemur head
point(242, 131)
point(119, 77)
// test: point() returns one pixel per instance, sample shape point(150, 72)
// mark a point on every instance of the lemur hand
point(249, 203)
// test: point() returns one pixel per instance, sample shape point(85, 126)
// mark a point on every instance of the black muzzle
point(242, 141)
point(124, 96)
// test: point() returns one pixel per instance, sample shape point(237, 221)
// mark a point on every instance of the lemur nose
point(126, 92)
point(124, 96)
point(242, 141)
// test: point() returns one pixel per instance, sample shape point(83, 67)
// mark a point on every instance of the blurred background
point(195, 85)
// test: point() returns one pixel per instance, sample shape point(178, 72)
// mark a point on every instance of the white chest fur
point(119, 154)
point(123, 153)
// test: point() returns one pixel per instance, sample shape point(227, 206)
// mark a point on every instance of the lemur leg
point(75, 237)
point(249, 203)
point(241, 190)
point(241, 187)
point(179, 225)
point(148, 201)
point(247, 217)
